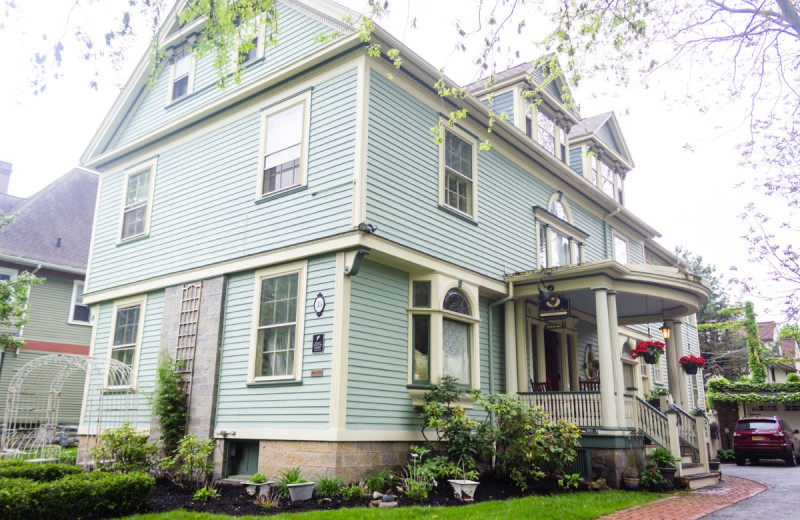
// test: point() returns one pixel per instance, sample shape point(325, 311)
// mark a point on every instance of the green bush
point(38, 472)
point(169, 405)
point(329, 487)
point(793, 378)
point(97, 494)
point(379, 481)
point(352, 492)
point(725, 455)
point(123, 450)
point(191, 465)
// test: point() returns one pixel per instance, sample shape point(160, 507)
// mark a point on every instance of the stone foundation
point(612, 455)
point(347, 460)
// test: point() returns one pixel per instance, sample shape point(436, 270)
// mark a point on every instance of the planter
point(650, 359)
point(464, 489)
point(257, 489)
point(690, 369)
point(669, 475)
point(630, 483)
point(300, 492)
point(713, 465)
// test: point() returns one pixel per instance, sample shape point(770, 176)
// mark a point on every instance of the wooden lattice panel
point(187, 332)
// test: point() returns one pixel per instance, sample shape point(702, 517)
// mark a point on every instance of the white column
point(616, 352)
point(608, 405)
point(511, 348)
point(673, 370)
point(563, 361)
point(541, 373)
point(677, 333)
point(574, 374)
point(522, 346)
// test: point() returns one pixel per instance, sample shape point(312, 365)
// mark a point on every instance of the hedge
point(38, 472)
point(721, 390)
point(96, 494)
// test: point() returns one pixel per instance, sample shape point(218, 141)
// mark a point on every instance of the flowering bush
point(652, 347)
point(652, 479)
point(692, 361)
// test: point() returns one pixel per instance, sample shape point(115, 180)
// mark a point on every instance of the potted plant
point(295, 486)
point(690, 364)
point(258, 485)
point(713, 465)
point(630, 479)
point(464, 488)
point(665, 462)
point(650, 351)
point(652, 479)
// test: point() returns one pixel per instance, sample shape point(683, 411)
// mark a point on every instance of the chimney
point(5, 176)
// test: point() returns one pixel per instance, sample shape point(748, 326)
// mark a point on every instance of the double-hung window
point(546, 130)
point(126, 340)
point(459, 171)
point(620, 249)
point(181, 84)
point(136, 207)
point(560, 243)
point(284, 146)
point(78, 312)
point(541, 126)
point(278, 324)
point(442, 332)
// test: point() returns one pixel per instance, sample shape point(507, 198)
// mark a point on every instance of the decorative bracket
point(352, 260)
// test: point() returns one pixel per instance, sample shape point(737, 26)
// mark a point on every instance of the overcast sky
point(687, 193)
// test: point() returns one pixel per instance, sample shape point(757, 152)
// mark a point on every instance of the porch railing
point(582, 408)
point(687, 428)
point(652, 422)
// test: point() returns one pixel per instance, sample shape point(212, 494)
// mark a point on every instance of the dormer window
point(605, 177)
point(543, 129)
point(181, 74)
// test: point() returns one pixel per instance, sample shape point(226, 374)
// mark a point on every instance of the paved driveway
point(781, 501)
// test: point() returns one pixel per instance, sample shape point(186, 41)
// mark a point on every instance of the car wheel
point(791, 458)
point(740, 461)
point(754, 461)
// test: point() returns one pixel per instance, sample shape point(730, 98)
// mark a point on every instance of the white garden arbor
point(31, 415)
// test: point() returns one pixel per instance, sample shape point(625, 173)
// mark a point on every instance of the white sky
point(689, 196)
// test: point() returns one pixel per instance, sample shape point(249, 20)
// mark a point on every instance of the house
point(316, 258)
point(782, 351)
point(49, 235)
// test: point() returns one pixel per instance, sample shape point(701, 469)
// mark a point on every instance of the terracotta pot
point(630, 483)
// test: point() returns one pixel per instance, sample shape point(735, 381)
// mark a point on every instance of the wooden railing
point(630, 413)
point(582, 408)
point(687, 428)
point(652, 422)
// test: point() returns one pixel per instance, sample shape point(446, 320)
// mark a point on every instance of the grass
point(577, 506)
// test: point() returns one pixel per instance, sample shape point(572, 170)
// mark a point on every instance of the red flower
point(652, 347)
point(692, 360)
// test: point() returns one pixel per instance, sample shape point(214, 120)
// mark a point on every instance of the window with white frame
point(181, 75)
point(7, 273)
point(284, 146)
point(442, 333)
point(605, 177)
point(560, 243)
point(248, 51)
point(459, 169)
point(136, 208)
point(78, 312)
point(620, 249)
point(543, 128)
point(278, 322)
point(126, 339)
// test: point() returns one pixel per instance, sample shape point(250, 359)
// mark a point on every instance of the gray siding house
point(319, 258)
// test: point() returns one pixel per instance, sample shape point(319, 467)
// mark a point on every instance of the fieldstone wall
point(610, 463)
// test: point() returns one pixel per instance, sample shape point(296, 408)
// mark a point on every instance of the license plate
point(758, 438)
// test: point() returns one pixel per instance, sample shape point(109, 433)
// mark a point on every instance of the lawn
point(576, 506)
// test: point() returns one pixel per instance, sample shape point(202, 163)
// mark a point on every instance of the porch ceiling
point(642, 289)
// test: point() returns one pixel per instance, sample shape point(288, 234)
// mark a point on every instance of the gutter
point(45, 265)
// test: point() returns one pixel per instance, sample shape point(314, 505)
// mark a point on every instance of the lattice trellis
point(187, 334)
point(31, 415)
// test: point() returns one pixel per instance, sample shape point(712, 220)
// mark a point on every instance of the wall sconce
point(366, 227)
point(544, 291)
point(665, 331)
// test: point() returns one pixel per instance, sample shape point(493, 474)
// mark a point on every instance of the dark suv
point(765, 438)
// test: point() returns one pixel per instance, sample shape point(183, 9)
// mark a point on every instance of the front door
point(551, 360)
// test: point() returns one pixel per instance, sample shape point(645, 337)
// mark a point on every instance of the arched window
point(455, 301)
point(456, 338)
point(557, 208)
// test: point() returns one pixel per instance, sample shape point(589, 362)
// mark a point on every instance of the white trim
point(12, 273)
point(473, 195)
point(260, 31)
point(341, 327)
point(563, 202)
point(151, 165)
point(317, 435)
point(141, 301)
point(72, 303)
point(299, 268)
point(185, 51)
point(304, 99)
point(360, 148)
point(94, 311)
point(86, 288)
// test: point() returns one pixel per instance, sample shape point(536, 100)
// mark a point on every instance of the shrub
point(123, 450)
point(329, 487)
point(191, 465)
point(793, 378)
point(352, 492)
point(169, 405)
point(725, 455)
point(379, 481)
point(205, 494)
point(289, 476)
point(37, 472)
point(97, 494)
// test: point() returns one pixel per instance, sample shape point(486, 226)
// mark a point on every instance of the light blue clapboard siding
point(576, 159)
point(377, 398)
point(148, 355)
point(691, 346)
point(49, 311)
point(593, 248)
point(203, 202)
point(502, 104)
point(605, 134)
point(295, 41)
point(587, 338)
point(398, 180)
point(498, 347)
point(276, 406)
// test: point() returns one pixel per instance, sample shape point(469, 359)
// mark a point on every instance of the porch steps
point(691, 468)
point(701, 480)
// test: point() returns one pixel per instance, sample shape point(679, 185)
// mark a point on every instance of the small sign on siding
point(318, 345)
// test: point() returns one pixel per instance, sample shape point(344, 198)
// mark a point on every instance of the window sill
point(458, 214)
point(84, 323)
point(280, 194)
point(133, 239)
point(417, 390)
point(276, 382)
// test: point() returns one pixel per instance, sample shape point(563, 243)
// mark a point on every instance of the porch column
point(575, 376)
point(511, 348)
point(616, 352)
point(541, 373)
point(563, 361)
point(677, 333)
point(673, 368)
point(608, 405)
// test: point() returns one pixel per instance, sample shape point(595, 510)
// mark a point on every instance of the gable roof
point(9, 202)
point(54, 226)
point(605, 131)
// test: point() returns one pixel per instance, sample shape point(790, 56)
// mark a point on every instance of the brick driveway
point(694, 505)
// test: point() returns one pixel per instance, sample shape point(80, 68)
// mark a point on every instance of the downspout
point(491, 329)
point(605, 230)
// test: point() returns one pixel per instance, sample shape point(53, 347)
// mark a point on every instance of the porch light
point(665, 331)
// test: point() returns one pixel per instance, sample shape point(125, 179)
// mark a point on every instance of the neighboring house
point(49, 235)
point(236, 230)
point(782, 351)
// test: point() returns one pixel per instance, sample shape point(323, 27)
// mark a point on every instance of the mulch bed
point(235, 501)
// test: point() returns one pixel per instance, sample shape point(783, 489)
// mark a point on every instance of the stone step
point(701, 480)
point(692, 468)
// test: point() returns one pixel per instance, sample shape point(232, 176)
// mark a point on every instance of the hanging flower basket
point(690, 364)
point(650, 351)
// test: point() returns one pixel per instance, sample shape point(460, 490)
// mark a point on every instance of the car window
point(757, 424)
